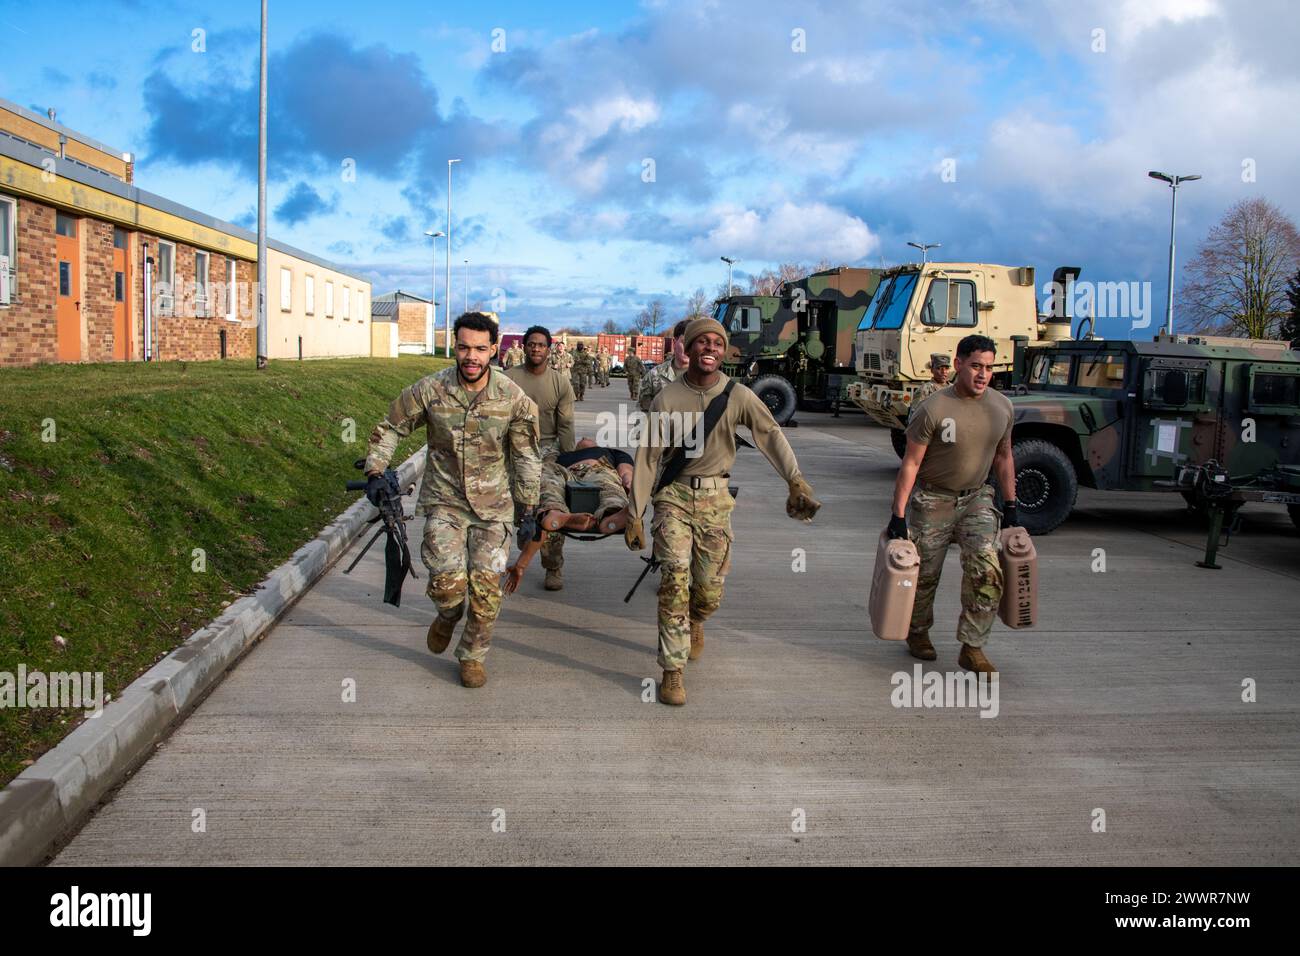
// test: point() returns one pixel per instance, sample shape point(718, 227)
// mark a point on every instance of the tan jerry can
point(1019, 607)
point(893, 587)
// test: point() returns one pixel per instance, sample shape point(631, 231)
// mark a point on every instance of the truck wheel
point(778, 395)
point(1046, 485)
point(898, 438)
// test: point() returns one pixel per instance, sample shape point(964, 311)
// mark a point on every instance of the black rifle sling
point(712, 415)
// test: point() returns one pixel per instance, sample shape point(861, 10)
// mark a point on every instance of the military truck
point(922, 308)
point(796, 349)
point(1216, 419)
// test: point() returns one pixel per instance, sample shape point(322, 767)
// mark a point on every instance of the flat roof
point(56, 127)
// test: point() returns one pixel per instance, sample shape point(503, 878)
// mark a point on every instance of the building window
point(9, 244)
point(286, 289)
point(65, 278)
point(231, 290)
point(347, 304)
point(201, 283)
point(166, 277)
point(119, 286)
point(119, 237)
point(309, 293)
point(65, 225)
point(329, 299)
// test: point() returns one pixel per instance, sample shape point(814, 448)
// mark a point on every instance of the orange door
point(67, 313)
point(121, 307)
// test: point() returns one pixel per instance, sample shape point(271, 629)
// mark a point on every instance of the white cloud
point(788, 232)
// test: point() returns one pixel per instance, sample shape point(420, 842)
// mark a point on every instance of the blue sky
point(777, 132)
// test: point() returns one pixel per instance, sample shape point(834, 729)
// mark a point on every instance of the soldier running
point(954, 437)
point(552, 392)
point(632, 366)
point(666, 371)
point(692, 513)
point(581, 372)
point(472, 415)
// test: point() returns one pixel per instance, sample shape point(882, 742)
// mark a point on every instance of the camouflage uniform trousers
point(579, 383)
point(613, 497)
point(936, 519)
point(633, 384)
point(466, 556)
point(692, 541)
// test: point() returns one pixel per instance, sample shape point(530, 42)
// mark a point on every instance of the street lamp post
point(730, 263)
point(262, 346)
point(1174, 182)
point(447, 343)
point(925, 248)
point(433, 288)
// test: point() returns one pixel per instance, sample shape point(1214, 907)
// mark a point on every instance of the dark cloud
point(302, 203)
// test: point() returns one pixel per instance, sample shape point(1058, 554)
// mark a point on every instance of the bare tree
point(698, 304)
point(1237, 283)
point(651, 317)
point(610, 327)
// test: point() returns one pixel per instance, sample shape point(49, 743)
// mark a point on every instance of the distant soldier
point(692, 511)
point(469, 492)
point(581, 372)
point(940, 363)
point(666, 371)
point(943, 493)
point(552, 392)
point(514, 356)
point(632, 366)
point(605, 361)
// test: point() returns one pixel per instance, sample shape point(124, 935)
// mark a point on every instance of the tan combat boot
point(697, 640)
point(472, 674)
point(973, 659)
point(440, 631)
point(921, 648)
point(554, 579)
point(671, 689)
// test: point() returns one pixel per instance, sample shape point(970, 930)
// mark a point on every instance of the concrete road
point(1126, 699)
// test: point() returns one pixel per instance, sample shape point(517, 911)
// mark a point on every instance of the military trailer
point(796, 349)
point(924, 308)
point(1216, 419)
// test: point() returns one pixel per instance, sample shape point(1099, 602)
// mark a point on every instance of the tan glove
point(801, 505)
point(634, 534)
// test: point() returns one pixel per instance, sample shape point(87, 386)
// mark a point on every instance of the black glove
point(528, 529)
point(375, 489)
point(897, 527)
point(1010, 517)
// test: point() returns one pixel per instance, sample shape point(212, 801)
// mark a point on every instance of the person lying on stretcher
point(609, 469)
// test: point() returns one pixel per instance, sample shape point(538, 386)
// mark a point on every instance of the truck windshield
point(890, 304)
point(720, 312)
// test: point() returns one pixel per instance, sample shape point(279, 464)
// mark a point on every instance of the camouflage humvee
point(797, 348)
point(1217, 419)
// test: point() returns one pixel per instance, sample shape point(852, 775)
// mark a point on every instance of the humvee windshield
point(1061, 370)
point(890, 303)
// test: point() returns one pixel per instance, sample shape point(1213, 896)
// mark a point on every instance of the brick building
point(77, 239)
point(413, 316)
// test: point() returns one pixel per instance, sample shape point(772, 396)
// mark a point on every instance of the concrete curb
point(50, 799)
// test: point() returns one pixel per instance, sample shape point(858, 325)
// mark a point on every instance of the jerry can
point(1019, 558)
point(893, 587)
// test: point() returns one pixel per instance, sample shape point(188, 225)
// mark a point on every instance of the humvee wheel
point(898, 438)
point(778, 395)
point(1046, 485)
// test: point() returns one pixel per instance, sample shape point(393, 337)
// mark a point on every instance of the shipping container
point(649, 348)
point(616, 345)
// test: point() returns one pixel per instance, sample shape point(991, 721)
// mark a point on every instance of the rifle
point(651, 564)
point(397, 553)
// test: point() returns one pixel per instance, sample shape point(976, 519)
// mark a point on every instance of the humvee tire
point(898, 438)
point(1046, 485)
point(778, 395)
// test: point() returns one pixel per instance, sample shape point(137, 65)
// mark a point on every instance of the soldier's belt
point(696, 482)
point(936, 490)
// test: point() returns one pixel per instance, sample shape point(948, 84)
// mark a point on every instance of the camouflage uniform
point(596, 471)
point(468, 493)
point(581, 374)
point(513, 356)
point(935, 519)
point(653, 384)
point(695, 525)
point(633, 368)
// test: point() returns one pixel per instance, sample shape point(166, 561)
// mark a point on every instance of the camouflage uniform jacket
point(468, 444)
point(583, 364)
point(652, 384)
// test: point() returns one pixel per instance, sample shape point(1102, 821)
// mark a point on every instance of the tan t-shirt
point(960, 435)
point(553, 393)
point(719, 454)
